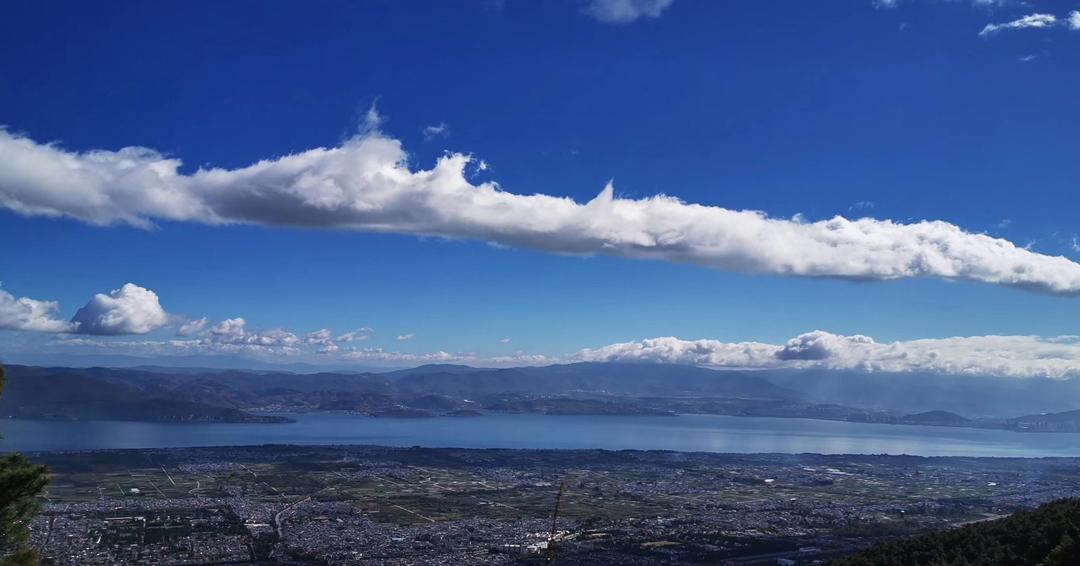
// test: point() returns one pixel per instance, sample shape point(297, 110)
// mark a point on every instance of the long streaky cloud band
point(366, 184)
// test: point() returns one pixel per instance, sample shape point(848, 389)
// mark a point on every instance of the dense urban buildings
point(361, 504)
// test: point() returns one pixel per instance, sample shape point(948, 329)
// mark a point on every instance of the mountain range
point(153, 393)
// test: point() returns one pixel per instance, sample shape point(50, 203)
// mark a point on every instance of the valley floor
point(379, 505)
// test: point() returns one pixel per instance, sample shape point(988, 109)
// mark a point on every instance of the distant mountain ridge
point(973, 396)
point(936, 418)
point(187, 394)
point(200, 394)
point(43, 394)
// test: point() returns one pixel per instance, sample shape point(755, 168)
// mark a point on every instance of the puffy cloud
point(815, 346)
point(692, 352)
point(229, 329)
point(1074, 20)
point(24, 313)
point(366, 184)
point(319, 336)
point(999, 356)
point(1003, 356)
point(440, 130)
point(360, 334)
point(130, 309)
point(326, 343)
point(625, 11)
point(404, 337)
point(323, 339)
point(272, 337)
point(1031, 21)
point(229, 336)
point(233, 331)
point(192, 327)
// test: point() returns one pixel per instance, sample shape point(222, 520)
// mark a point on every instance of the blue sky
point(898, 112)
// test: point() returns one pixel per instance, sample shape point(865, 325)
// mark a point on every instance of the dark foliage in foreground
point(1046, 536)
point(21, 481)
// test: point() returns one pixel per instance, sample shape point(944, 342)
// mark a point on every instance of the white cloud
point(1074, 20)
point(694, 352)
point(404, 337)
point(234, 331)
point(128, 310)
point(362, 333)
point(276, 350)
point(862, 205)
point(373, 120)
point(625, 11)
point(192, 327)
point(888, 4)
point(229, 328)
point(326, 343)
point(319, 336)
point(998, 356)
point(366, 184)
point(324, 340)
point(381, 355)
point(28, 314)
point(388, 357)
point(99, 187)
point(440, 130)
point(1003, 356)
point(504, 340)
point(1031, 21)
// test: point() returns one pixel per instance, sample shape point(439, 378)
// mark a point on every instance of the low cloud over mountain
point(1002, 356)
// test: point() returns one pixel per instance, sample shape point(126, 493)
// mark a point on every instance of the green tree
point(21, 481)
point(1045, 536)
point(1065, 553)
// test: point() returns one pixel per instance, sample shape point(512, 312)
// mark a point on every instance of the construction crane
point(554, 523)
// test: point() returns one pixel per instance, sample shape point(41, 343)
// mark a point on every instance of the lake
point(707, 433)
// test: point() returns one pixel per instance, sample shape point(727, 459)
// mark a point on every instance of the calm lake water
point(708, 433)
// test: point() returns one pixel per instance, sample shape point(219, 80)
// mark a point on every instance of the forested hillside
point(1046, 536)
